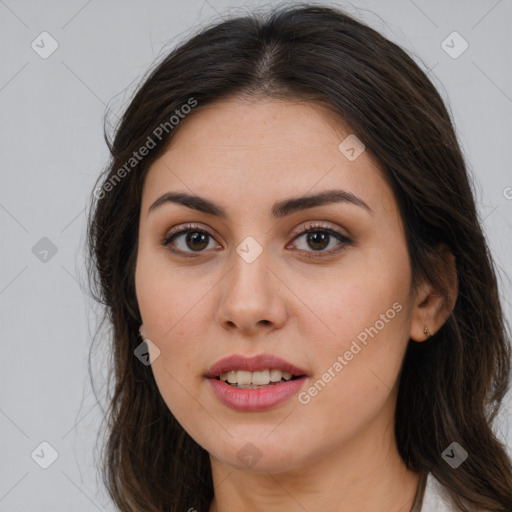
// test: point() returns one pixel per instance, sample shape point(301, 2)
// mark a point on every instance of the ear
point(434, 303)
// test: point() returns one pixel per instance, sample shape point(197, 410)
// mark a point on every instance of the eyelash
point(316, 228)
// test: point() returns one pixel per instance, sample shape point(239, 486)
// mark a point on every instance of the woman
point(287, 221)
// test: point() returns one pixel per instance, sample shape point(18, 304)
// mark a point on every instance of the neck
point(366, 475)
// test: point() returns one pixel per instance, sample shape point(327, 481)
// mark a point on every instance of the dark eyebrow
point(279, 210)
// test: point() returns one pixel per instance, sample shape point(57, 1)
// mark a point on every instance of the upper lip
point(253, 364)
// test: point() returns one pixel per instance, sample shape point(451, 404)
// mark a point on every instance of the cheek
point(171, 324)
point(176, 321)
point(362, 336)
point(172, 303)
point(363, 294)
point(356, 372)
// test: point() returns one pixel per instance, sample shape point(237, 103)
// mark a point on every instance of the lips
point(253, 364)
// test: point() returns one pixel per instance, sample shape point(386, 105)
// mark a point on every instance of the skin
point(326, 454)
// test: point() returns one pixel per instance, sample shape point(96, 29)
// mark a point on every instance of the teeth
point(275, 375)
point(259, 378)
point(243, 377)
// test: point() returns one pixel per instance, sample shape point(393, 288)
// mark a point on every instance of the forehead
point(266, 147)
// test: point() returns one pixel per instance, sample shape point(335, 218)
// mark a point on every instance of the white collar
point(436, 498)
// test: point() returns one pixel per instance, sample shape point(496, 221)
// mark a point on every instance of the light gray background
point(52, 149)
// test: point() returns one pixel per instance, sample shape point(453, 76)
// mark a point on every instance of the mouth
point(255, 384)
point(261, 371)
point(256, 380)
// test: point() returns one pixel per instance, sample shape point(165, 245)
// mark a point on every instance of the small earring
point(425, 331)
point(142, 331)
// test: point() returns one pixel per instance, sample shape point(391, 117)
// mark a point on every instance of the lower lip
point(258, 399)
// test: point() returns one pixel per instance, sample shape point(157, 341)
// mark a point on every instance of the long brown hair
point(450, 387)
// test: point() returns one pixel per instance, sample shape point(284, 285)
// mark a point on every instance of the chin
point(260, 455)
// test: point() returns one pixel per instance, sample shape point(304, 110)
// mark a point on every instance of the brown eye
point(189, 239)
point(318, 238)
point(196, 241)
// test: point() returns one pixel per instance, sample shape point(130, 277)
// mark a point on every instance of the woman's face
point(338, 309)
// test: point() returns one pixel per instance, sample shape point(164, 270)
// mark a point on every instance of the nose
point(251, 298)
